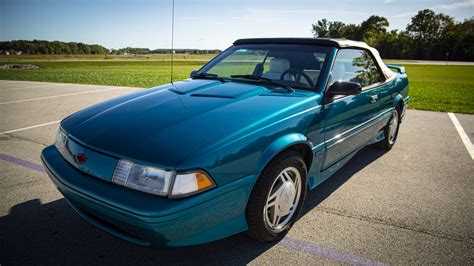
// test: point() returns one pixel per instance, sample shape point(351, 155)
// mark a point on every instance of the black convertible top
point(339, 43)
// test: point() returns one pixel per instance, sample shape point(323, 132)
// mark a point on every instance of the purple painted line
point(327, 253)
point(21, 162)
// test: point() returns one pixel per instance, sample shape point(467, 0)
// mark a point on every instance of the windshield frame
point(318, 86)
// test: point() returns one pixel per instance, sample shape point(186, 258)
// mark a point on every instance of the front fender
point(279, 145)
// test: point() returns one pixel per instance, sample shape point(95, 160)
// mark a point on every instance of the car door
point(349, 120)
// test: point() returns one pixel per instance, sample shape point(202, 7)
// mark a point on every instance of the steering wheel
point(297, 74)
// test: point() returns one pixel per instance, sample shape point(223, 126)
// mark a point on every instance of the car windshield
point(290, 65)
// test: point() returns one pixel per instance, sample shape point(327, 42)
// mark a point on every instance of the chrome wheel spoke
point(393, 127)
point(276, 219)
point(297, 184)
point(283, 199)
point(286, 177)
point(273, 196)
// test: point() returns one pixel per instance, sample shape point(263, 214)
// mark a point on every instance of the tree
point(321, 28)
point(350, 31)
point(430, 33)
point(423, 26)
point(336, 29)
point(372, 29)
point(428, 36)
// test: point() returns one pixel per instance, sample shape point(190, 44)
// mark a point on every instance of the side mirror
point(344, 88)
point(192, 73)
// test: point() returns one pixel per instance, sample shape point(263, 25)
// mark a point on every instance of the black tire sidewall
point(258, 229)
point(385, 143)
point(387, 131)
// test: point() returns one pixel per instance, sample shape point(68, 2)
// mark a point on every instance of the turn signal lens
point(158, 181)
point(190, 183)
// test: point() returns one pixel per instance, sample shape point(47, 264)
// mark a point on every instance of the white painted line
point(31, 127)
point(62, 95)
point(464, 137)
point(32, 87)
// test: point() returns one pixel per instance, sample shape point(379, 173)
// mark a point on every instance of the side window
point(355, 66)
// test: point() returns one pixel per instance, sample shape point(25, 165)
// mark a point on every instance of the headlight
point(144, 178)
point(158, 182)
point(61, 141)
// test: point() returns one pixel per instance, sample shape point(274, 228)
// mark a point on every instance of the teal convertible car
point(234, 148)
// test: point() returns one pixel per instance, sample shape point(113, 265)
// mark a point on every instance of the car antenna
point(172, 44)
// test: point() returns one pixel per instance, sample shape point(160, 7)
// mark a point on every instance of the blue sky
point(198, 24)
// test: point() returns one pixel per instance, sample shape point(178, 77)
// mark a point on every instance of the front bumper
point(147, 219)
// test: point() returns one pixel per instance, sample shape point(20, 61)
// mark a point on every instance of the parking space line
point(30, 127)
point(464, 137)
point(32, 87)
point(62, 95)
point(327, 253)
point(27, 164)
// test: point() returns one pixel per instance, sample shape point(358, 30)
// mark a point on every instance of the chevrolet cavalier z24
point(234, 148)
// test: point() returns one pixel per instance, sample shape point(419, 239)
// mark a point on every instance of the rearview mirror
point(344, 88)
point(193, 72)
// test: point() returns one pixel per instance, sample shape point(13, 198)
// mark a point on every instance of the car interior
point(290, 65)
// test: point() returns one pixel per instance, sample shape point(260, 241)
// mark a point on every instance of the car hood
point(163, 125)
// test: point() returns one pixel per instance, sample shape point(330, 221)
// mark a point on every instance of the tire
point(390, 133)
point(275, 182)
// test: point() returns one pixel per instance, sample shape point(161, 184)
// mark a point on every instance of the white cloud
point(278, 14)
point(455, 5)
point(387, 1)
point(450, 6)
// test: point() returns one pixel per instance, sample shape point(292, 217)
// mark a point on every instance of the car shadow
point(363, 158)
point(52, 233)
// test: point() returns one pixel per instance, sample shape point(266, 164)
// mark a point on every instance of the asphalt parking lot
point(412, 205)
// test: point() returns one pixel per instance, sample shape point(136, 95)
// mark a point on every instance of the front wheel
point(277, 197)
point(390, 131)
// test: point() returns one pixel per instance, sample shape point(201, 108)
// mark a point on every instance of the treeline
point(428, 36)
point(47, 47)
point(187, 51)
point(131, 50)
point(57, 47)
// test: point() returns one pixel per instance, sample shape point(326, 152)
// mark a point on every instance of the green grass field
point(442, 88)
point(100, 57)
point(120, 73)
point(432, 87)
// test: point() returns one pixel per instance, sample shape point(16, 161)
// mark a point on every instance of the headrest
point(279, 65)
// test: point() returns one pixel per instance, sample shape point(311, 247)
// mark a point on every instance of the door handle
point(374, 98)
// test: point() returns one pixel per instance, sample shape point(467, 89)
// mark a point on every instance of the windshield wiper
point(265, 81)
point(208, 76)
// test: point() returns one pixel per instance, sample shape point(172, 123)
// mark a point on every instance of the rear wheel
point(277, 197)
point(391, 130)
